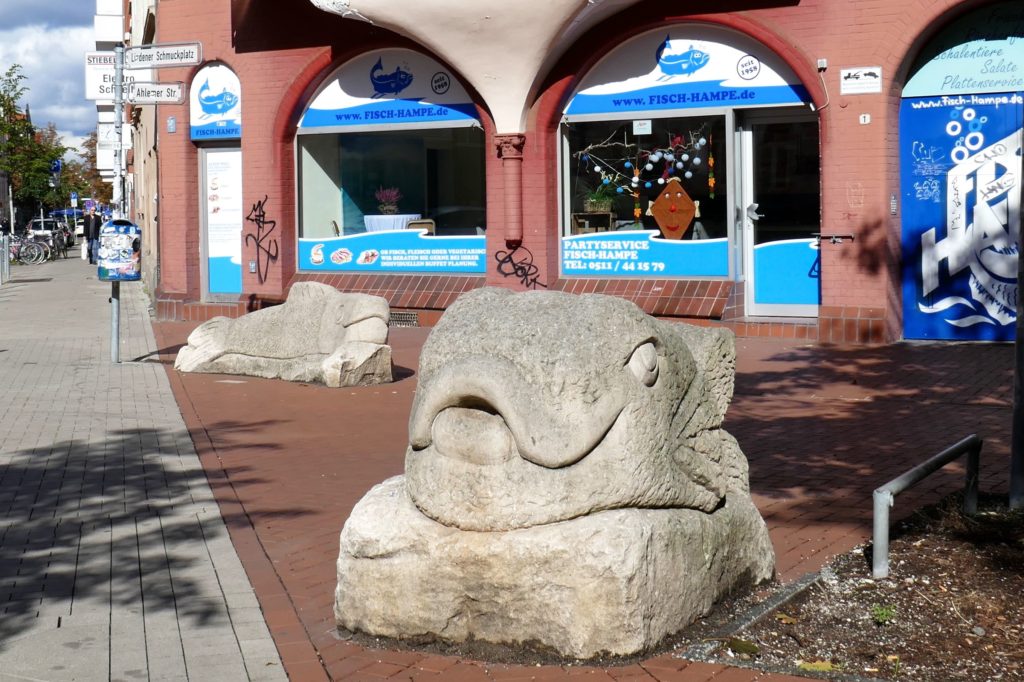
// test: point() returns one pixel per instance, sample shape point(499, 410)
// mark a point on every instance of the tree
point(95, 185)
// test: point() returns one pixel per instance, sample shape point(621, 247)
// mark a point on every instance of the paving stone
point(109, 539)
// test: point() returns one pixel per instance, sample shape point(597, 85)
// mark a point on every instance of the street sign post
point(170, 92)
point(160, 55)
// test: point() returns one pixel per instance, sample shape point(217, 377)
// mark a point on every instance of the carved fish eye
point(643, 363)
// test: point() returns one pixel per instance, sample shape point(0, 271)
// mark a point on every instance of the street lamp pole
point(115, 286)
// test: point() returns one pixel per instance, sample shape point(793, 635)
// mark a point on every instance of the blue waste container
point(120, 251)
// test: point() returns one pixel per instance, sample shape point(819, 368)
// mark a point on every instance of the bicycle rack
point(883, 497)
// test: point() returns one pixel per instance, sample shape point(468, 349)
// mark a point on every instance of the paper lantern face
point(673, 210)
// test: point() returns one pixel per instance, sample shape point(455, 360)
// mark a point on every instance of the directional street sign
point(156, 93)
point(163, 54)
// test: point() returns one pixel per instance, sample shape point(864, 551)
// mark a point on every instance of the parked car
point(42, 227)
point(48, 227)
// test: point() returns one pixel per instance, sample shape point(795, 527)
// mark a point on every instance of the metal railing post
point(880, 533)
point(884, 496)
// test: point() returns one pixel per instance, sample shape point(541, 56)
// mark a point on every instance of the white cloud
point(51, 13)
point(52, 61)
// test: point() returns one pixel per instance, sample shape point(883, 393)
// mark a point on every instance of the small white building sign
point(860, 81)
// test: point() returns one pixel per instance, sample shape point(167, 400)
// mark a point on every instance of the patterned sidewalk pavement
point(821, 426)
point(115, 563)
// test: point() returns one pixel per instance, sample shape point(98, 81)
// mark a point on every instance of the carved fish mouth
point(485, 400)
point(477, 435)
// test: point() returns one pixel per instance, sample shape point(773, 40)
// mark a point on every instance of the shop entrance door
point(221, 244)
point(779, 213)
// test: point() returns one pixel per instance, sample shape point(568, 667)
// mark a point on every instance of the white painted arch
point(500, 48)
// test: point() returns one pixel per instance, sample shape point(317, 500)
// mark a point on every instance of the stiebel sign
point(99, 76)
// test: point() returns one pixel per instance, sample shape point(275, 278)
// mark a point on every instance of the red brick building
point(764, 125)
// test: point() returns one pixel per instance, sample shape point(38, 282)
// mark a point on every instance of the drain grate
point(404, 319)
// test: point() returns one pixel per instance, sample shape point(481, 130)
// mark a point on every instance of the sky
point(49, 39)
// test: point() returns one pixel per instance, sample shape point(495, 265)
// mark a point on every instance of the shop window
point(390, 155)
point(433, 175)
point(617, 173)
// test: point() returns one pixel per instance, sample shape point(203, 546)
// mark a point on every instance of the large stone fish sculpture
point(318, 334)
point(567, 484)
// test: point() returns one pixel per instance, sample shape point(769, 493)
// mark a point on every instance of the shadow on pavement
point(90, 527)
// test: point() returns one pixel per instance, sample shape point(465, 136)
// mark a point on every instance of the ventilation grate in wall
point(404, 319)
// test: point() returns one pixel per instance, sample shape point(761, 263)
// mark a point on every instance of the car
point(42, 227)
point(48, 227)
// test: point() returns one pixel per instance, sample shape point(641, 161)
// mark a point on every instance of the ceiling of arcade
point(535, 31)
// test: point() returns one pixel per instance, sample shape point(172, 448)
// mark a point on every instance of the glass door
point(780, 214)
point(221, 199)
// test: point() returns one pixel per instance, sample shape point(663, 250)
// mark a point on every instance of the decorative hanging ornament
point(673, 210)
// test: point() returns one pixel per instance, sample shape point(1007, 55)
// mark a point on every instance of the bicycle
point(26, 251)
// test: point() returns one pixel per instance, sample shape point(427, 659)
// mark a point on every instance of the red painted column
point(510, 151)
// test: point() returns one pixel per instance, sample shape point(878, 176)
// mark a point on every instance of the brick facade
point(280, 73)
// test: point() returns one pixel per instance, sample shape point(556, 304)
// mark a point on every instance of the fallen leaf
point(785, 618)
point(817, 666)
point(743, 646)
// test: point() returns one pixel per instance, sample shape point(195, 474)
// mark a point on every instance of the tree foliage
point(27, 154)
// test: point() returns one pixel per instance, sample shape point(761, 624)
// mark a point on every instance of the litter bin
point(120, 251)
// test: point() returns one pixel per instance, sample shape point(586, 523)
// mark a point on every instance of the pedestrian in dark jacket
point(92, 226)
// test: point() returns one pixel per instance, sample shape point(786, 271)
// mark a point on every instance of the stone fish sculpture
point(318, 334)
point(567, 484)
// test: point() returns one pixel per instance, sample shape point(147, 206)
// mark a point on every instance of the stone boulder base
point(357, 363)
point(318, 335)
point(614, 582)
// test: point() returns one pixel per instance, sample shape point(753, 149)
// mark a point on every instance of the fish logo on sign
point(214, 105)
point(683, 64)
point(388, 83)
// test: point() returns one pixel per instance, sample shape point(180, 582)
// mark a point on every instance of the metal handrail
point(883, 497)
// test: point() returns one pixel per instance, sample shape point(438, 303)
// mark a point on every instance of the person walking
point(92, 226)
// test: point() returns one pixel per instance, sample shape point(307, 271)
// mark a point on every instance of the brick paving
point(822, 426)
point(114, 561)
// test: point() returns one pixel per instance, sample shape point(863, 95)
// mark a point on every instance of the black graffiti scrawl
point(519, 263)
point(266, 246)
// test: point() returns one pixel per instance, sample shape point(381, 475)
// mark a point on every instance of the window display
point(391, 170)
point(647, 197)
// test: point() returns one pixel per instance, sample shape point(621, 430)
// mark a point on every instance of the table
point(585, 223)
point(382, 222)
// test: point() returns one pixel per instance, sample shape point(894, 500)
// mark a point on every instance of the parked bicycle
point(26, 251)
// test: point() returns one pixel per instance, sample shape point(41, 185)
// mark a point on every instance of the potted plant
point(599, 199)
point(387, 199)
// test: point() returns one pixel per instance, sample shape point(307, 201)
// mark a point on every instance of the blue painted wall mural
point(961, 170)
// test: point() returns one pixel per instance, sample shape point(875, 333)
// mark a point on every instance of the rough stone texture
point(358, 363)
point(615, 581)
point(298, 340)
point(579, 429)
point(567, 483)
